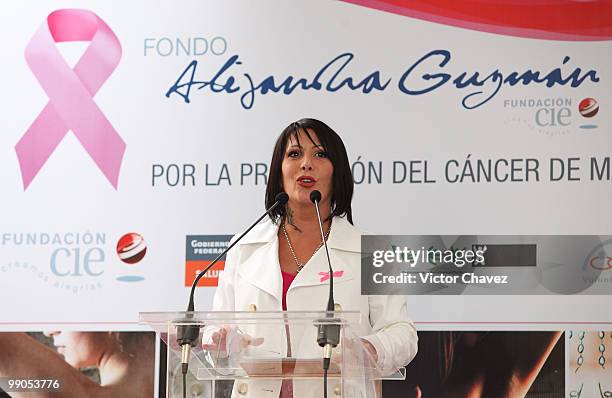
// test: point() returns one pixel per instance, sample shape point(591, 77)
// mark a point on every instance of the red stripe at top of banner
point(569, 20)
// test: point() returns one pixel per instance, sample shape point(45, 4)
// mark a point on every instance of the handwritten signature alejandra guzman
point(328, 78)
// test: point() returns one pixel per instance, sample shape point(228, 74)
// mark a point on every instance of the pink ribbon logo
point(71, 91)
point(325, 275)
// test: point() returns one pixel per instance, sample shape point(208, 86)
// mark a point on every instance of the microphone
point(186, 335)
point(328, 336)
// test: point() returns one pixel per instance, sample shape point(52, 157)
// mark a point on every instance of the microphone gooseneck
point(328, 335)
point(187, 334)
point(315, 197)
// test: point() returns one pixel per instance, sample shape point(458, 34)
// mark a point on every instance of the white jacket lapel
point(260, 267)
point(343, 238)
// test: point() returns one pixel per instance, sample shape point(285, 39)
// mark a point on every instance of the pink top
point(287, 385)
point(287, 280)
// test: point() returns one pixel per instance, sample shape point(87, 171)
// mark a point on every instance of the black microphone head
point(315, 196)
point(282, 198)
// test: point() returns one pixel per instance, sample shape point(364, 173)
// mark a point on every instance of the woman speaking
point(280, 263)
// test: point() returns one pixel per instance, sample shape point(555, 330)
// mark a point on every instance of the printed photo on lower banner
point(77, 363)
point(588, 368)
point(463, 364)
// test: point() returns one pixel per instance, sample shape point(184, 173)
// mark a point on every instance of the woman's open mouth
point(306, 181)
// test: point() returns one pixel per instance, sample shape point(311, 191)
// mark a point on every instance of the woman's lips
point(306, 184)
point(306, 181)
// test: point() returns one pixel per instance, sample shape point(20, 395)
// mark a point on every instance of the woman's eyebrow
point(301, 147)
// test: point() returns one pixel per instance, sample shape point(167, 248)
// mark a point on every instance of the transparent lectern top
point(267, 345)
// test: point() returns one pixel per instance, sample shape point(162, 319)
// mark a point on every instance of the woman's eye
point(293, 154)
point(321, 154)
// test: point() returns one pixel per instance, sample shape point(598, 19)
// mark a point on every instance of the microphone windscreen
point(282, 198)
point(315, 196)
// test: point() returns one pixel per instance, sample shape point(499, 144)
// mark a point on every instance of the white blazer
point(252, 281)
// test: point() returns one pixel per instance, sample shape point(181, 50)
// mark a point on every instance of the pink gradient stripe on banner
point(569, 20)
point(71, 105)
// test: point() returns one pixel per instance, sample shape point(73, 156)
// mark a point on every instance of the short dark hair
point(342, 179)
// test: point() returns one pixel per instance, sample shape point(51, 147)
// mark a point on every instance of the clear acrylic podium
point(262, 350)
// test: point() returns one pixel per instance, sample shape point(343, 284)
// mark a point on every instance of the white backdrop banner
point(136, 138)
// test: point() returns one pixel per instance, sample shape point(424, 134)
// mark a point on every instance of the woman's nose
point(306, 165)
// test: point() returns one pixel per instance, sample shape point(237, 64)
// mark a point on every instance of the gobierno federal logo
point(200, 252)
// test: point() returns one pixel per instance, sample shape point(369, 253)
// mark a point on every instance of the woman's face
point(80, 349)
point(306, 168)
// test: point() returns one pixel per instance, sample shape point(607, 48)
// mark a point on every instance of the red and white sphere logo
point(588, 107)
point(131, 248)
